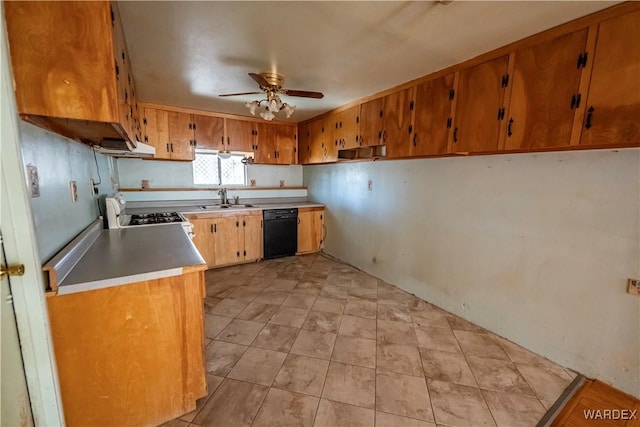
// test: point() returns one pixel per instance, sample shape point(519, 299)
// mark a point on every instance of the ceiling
point(187, 53)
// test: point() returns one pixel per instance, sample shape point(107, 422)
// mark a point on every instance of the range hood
point(122, 148)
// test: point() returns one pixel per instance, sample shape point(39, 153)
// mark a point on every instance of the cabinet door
point(310, 230)
point(240, 135)
point(265, 144)
point(350, 125)
point(208, 132)
point(371, 123)
point(181, 136)
point(545, 79)
point(333, 126)
point(304, 144)
point(397, 118)
point(286, 144)
point(317, 141)
point(432, 112)
point(156, 132)
point(227, 240)
point(252, 225)
point(613, 105)
point(480, 97)
point(204, 239)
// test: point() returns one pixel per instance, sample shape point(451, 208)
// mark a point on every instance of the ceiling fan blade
point(241, 93)
point(260, 80)
point(304, 93)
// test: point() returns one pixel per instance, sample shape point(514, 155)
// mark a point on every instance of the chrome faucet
point(223, 196)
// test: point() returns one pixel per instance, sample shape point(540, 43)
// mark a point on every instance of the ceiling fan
point(271, 84)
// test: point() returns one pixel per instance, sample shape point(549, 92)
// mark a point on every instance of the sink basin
point(217, 207)
point(242, 206)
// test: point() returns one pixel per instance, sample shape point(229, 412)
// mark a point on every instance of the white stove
point(117, 216)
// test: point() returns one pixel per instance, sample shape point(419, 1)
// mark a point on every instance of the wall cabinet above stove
point(71, 69)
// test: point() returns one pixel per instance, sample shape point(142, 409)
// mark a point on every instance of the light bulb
point(288, 109)
point(252, 106)
point(267, 115)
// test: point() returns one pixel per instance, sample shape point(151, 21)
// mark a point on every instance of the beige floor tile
point(271, 297)
point(302, 374)
point(314, 344)
point(396, 332)
point(213, 382)
point(403, 395)
point(285, 409)
point(299, 300)
point(276, 337)
point(245, 293)
point(338, 291)
point(459, 405)
point(363, 293)
point(358, 327)
point(214, 324)
point(258, 312)
point(519, 354)
point(399, 358)
point(229, 307)
point(514, 410)
point(355, 351)
point(334, 414)
point(321, 321)
point(482, 345)
point(498, 375)
point(306, 286)
point(329, 304)
point(446, 366)
point(389, 420)
point(350, 384)
point(430, 316)
point(240, 331)
point(210, 302)
point(258, 366)
point(459, 324)
point(282, 285)
point(436, 338)
point(547, 383)
point(235, 403)
point(289, 316)
point(361, 308)
point(394, 313)
point(221, 357)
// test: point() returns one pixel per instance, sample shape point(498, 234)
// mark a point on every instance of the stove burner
point(155, 218)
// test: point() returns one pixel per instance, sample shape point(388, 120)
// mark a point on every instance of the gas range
point(117, 216)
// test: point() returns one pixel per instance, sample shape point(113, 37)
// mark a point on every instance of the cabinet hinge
point(582, 60)
point(411, 105)
point(244, 253)
point(146, 138)
point(505, 80)
point(381, 113)
point(144, 120)
point(190, 125)
point(357, 119)
point(501, 113)
point(575, 101)
point(452, 93)
point(238, 254)
point(117, 70)
point(113, 17)
point(410, 129)
point(449, 120)
point(244, 224)
point(237, 223)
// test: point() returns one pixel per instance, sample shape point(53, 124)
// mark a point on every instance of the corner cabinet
point(311, 230)
point(228, 238)
point(71, 69)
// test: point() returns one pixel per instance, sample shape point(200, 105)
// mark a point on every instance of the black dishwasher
point(280, 232)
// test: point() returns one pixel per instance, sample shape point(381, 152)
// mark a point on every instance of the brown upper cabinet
point(545, 92)
point(171, 133)
point(240, 135)
point(208, 132)
point(304, 144)
point(388, 121)
point(613, 104)
point(433, 116)
point(71, 69)
point(345, 128)
point(286, 144)
point(480, 106)
point(317, 144)
point(274, 144)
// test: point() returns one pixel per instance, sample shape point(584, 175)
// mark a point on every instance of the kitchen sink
point(229, 206)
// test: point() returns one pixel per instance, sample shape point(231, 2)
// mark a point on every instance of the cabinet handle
point(384, 136)
point(455, 135)
point(215, 228)
point(298, 220)
point(172, 147)
point(414, 139)
point(238, 254)
point(589, 114)
point(410, 129)
point(168, 150)
point(222, 140)
point(212, 228)
point(244, 224)
point(509, 133)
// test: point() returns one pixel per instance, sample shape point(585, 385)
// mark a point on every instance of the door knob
point(12, 270)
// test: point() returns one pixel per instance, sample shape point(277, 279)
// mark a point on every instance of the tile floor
point(307, 341)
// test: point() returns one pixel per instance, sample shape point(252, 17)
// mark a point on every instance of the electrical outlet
point(73, 186)
point(93, 188)
point(34, 180)
point(634, 287)
point(370, 185)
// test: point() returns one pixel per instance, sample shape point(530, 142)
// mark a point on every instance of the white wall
point(59, 161)
point(162, 174)
point(534, 247)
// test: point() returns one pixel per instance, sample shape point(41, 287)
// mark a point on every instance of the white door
point(15, 408)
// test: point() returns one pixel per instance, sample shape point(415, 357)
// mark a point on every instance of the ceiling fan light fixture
point(267, 115)
point(252, 106)
point(288, 109)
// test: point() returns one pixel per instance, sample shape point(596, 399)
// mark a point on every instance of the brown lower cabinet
point(131, 354)
point(311, 231)
point(228, 238)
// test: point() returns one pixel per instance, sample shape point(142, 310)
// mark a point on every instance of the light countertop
point(194, 209)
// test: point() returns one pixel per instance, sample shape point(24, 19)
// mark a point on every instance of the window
point(210, 169)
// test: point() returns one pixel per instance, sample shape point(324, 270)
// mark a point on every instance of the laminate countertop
point(101, 258)
point(195, 209)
